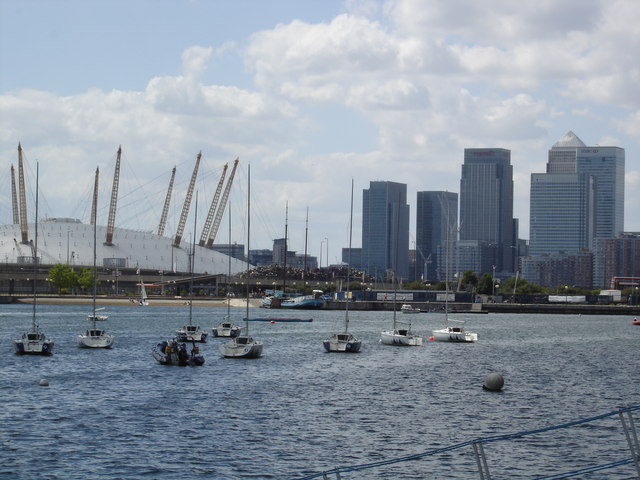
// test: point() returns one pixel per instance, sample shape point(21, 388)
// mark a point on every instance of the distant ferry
point(315, 300)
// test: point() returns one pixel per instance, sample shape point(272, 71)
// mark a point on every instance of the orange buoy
point(273, 321)
point(432, 338)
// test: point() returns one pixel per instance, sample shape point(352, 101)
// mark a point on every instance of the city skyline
point(310, 94)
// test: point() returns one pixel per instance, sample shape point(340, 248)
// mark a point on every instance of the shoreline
point(153, 302)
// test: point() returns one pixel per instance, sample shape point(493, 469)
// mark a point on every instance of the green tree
point(469, 280)
point(84, 278)
point(484, 284)
point(62, 277)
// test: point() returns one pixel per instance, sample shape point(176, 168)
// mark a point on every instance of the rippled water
point(297, 410)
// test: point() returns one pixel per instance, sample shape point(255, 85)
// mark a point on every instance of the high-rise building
point(580, 198)
point(385, 230)
point(436, 221)
point(486, 203)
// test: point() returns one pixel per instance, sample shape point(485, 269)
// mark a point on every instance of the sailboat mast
point(395, 269)
point(35, 251)
point(94, 213)
point(246, 320)
point(306, 236)
point(346, 310)
point(286, 227)
point(229, 268)
point(193, 259)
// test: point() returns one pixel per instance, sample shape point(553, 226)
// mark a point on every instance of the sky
point(309, 95)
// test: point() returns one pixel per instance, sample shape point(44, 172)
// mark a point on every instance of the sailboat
point(95, 337)
point(142, 301)
point(400, 336)
point(191, 332)
point(244, 346)
point(449, 333)
point(226, 328)
point(344, 341)
point(34, 342)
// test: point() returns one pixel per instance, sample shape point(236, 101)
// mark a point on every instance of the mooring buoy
point(493, 382)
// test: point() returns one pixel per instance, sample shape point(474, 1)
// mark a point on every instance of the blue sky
point(311, 94)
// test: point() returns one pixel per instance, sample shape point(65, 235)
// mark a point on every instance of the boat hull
point(169, 353)
point(95, 339)
point(241, 347)
point(25, 346)
point(454, 334)
point(342, 343)
point(394, 337)
point(226, 330)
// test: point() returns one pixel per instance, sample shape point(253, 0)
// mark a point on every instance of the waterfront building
point(355, 260)
point(486, 203)
point(617, 261)
point(559, 269)
point(436, 212)
point(385, 230)
point(235, 250)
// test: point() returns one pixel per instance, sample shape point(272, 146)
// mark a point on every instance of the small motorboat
point(170, 352)
point(407, 308)
point(635, 321)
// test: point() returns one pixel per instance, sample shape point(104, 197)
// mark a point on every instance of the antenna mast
point(167, 200)
point(187, 203)
point(114, 200)
point(14, 197)
point(223, 204)
point(212, 208)
point(24, 227)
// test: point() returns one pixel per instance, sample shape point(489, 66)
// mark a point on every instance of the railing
point(624, 414)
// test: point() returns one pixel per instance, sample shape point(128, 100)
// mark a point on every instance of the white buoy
point(44, 382)
point(493, 382)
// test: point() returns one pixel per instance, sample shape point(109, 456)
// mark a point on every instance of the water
point(117, 414)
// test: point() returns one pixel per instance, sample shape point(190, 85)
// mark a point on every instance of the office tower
point(385, 230)
point(580, 198)
point(434, 211)
point(486, 202)
point(561, 213)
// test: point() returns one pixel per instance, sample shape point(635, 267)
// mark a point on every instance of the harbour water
point(117, 414)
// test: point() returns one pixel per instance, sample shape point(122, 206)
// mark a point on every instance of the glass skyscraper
point(436, 213)
point(486, 203)
point(385, 230)
point(579, 199)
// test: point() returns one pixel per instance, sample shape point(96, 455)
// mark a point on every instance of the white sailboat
point(191, 332)
point(244, 346)
point(345, 341)
point(33, 342)
point(449, 333)
point(95, 337)
point(399, 335)
point(226, 328)
point(142, 301)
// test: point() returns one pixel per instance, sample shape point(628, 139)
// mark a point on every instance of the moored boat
point(170, 352)
point(408, 308)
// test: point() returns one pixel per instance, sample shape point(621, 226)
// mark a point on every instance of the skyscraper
point(579, 199)
point(434, 211)
point(385, 229)
point(486, 202)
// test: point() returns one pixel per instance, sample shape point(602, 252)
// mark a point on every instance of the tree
point(485, 286)
point(84, 278)
point(469, 280)
point(62, 277)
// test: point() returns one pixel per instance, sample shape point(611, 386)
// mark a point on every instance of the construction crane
point(167, 201)
point(213, 207)
point(114, 200)
point(187, 203)
point(94, 206)
point(24, 228)
point(14, 198)
point(223, 204)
